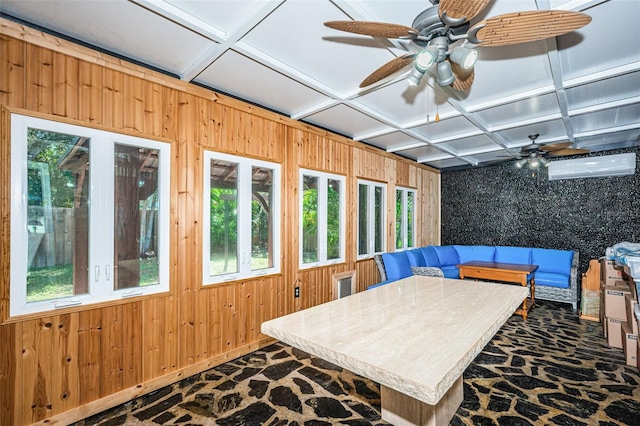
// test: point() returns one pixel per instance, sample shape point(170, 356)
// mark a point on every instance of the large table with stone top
point(415, 337)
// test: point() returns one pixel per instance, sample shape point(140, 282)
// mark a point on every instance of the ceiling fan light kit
point(438, 27)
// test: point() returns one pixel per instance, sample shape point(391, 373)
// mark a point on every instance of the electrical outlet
point(296, 292)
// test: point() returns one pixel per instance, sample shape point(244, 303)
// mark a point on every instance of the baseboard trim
point(113, 400)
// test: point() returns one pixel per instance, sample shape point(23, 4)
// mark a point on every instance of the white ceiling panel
point(426, 154)
point(604, 91)
point(340, 61)
point(395, 141)
point(117, 26)
point(224, 15)
point(532, 109)
point(615, 117)
point(601, 45)
point(250, 80)
point(470, 145)
point(582, 87)
point(346, 121)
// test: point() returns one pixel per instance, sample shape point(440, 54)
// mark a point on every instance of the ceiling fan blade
point(522, 27)
point(569, 151)
point(387, 69)
point(464, 78)
point(458, 9)
point(555, 146)
point(373, 29)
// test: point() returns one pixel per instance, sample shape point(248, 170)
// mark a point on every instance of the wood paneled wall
point(63, 367)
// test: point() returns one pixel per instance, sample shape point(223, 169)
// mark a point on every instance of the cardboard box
point(614, 304)
point(629, 345)
point(638, 353)
point(609, 270)
point(615, 283)
point(614, 332)
point(631, 303)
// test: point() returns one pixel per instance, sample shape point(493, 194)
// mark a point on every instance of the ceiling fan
point(439, 27)
point(534, 153)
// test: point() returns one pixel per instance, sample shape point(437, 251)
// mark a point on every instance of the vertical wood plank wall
point(76, 358)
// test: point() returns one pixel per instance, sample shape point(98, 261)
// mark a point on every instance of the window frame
point(323, 177)
point(404, 218)
point(371, 219)
point(101, 249)
point(244, 184)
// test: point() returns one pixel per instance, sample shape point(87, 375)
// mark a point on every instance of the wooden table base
point(402, 410)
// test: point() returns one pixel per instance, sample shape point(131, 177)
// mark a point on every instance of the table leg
point(402, 410)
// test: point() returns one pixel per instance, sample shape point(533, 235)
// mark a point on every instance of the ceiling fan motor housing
point(429, 25)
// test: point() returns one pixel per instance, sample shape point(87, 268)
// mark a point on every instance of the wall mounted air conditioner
point(606, 165)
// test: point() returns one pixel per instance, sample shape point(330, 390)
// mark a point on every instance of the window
point(241, 218)
point(89, 216)
point(322, 213)
point(405, 208)
point(371, 218)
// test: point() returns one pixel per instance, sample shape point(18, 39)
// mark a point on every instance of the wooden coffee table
point(508, 272)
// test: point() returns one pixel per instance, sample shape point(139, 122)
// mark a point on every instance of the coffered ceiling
point(583, 87)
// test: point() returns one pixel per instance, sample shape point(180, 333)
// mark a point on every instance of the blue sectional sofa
point(556, 277)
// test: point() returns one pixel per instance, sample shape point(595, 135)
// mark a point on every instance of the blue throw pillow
point(447, 255)
point(415, 257)
point(396, 265)
point(519, 255)
point(471, 253)
point(549, 260)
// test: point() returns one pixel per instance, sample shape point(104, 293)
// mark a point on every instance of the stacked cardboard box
point(617, 310)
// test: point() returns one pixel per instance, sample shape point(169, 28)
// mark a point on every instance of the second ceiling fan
point(438, 28)
point(533, 154)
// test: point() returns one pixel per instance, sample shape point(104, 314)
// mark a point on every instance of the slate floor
point(552, 369)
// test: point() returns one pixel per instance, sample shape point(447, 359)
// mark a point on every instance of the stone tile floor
point(552, 369)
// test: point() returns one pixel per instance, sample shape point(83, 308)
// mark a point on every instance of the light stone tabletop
point(416, 335)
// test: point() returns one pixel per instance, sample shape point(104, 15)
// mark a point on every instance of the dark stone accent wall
point(501, 205)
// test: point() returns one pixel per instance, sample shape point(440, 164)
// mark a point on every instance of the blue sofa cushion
point(475, 253)
point(519, 255)
point(551, 279)
point(451, 272)
point(549, 260)
point(396, 265)
point(430, 256)
point(415, 257)
point(447, 255)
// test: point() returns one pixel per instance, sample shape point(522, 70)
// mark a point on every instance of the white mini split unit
point(606, 165)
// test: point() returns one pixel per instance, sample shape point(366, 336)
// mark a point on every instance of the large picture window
point(405, 216)
point(371, 218)
point(89, 216)
point(241, 218)
point(322, 213)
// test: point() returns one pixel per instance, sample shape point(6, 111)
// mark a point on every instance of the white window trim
point(101, 241)
point(371, 223)
point(245, 165)
point(405, 215)
point(323, 179)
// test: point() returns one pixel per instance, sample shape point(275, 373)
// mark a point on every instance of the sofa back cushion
point(520, 255)
point(478, 253)
point(447, 255)
point(555, 261)
point(430, 256)
point(415, 257)
point(396, 265)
